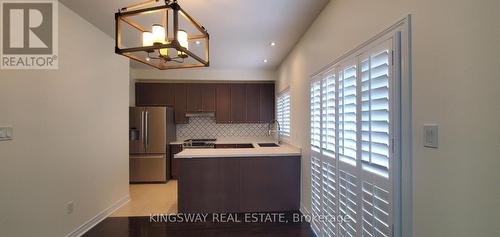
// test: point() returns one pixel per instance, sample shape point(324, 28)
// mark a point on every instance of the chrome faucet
point(278, 129)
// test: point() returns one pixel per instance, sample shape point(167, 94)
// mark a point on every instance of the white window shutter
point(376, 211)
point(316, 192)
point(316, 115)
point(348, 203)
point(329, 198)
point(347, 115)
point(283, 113)
point(328, 108)
point(375, 113)
point(351, 144)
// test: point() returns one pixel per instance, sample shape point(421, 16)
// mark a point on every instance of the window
point(351, 142)
point(283, 113)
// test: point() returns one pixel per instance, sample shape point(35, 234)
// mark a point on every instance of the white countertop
point(283, 150)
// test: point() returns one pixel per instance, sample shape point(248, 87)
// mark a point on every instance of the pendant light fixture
point(162, 37)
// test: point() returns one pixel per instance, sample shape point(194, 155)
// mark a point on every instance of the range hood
point(200, 114)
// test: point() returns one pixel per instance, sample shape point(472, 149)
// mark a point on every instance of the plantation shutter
point(329, 198)
point(375, 112)
point(316, 192)
point(347, 114)
point(376, 141)
point(328, 123)
point(316, 115)
point(351, 144)
point(283, 113)
point(376, 211)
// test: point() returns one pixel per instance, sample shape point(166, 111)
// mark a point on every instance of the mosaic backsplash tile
point(205, 127)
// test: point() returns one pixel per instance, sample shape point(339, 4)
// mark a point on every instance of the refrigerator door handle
point(146, 122)
point(143, 133)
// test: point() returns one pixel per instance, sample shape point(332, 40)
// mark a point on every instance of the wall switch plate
point(431, 136)
point(6, 133)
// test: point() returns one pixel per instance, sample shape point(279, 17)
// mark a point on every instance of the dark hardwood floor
point(144, 227)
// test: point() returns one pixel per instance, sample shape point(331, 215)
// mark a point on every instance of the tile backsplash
point(205, 127)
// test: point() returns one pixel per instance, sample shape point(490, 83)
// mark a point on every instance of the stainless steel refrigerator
point(151, 130)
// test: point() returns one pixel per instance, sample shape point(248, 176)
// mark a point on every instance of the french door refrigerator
point(151, 130)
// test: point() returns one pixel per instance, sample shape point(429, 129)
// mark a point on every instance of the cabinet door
point(267, 103)
point(208, 98)
point(180, 100)
point(174, 149)
point(269, 184)
point(194, 97)
point(238, 103)
point(223, 103)
point(154, 94)
point(252, 103)
point(209, 186)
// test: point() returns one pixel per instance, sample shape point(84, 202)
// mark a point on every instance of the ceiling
point(241, 31)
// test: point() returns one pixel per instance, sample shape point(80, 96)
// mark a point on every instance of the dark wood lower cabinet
point(208, 186)
point(236, 185)
point(174, 172)
point(269, 184)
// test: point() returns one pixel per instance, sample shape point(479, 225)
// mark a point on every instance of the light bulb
point(158, 34)
point(164, 51)
point(147, 38)
point(182, 37)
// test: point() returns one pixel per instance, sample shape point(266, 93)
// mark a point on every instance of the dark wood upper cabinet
point(238, 103)
point(267, 103)
point(252, 103)
point(194, 97)
point(180, 100)
point(208, 98)
point(232, 103)
point(223, 103)
point(154, 94)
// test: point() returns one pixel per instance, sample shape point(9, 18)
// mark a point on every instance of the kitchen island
point(239, 180)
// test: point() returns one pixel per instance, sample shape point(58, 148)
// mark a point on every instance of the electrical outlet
point(70, 206)
point(431, 136)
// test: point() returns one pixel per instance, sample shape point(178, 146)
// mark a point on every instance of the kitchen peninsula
point(239, 180)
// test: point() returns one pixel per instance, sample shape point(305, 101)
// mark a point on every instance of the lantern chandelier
point(163, 46)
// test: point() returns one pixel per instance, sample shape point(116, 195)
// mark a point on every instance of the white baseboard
point(99, 217)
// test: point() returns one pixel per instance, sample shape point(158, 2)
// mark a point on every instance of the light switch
point(6, 133)
point(431, 135)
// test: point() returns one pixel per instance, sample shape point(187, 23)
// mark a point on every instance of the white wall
point(70, 128)
point(455, 84)
point(131, 93)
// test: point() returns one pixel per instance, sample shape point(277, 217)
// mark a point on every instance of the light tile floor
point(146, 199)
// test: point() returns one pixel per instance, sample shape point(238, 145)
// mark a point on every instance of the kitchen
point(209, 125)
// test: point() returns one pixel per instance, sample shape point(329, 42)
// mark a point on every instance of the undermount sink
point(268, 145)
